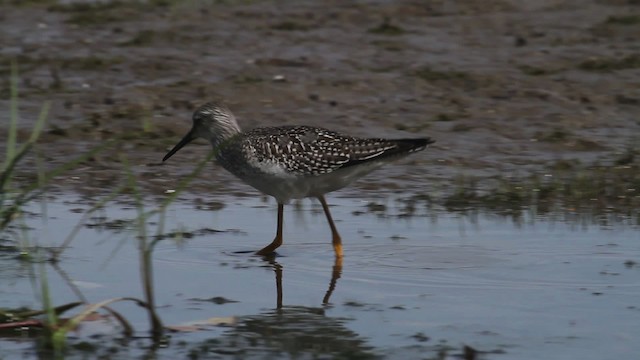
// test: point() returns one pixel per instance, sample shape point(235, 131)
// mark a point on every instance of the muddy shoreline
point(508, 89)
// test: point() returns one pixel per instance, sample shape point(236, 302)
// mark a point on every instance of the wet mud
point(506, 88)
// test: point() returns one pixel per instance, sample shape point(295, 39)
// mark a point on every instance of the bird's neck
point(224, 134)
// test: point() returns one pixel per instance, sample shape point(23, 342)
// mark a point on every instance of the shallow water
point(418, 285)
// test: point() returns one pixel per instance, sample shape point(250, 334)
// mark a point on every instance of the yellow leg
point(269, 249)
point(337, 241)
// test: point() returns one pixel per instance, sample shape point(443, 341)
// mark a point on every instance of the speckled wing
point(385, 150)
point(304, 150)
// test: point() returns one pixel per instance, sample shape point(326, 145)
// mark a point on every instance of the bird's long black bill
point(185, 140)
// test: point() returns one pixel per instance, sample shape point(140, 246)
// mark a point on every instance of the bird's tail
point(383, 149)
point(411, 145)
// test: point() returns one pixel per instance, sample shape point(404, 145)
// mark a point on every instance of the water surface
point(419, 283)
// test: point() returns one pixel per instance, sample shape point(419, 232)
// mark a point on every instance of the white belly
point(285, 187)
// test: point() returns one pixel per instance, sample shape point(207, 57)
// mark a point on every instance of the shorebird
point(293, 162)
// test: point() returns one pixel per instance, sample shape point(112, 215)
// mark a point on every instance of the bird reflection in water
point(290, 332)
point(278, 270)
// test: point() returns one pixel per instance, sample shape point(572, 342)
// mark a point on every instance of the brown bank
point(509, 89)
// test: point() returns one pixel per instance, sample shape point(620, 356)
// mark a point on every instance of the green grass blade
point(39, 125)
point(34, 190)
point(13, 114)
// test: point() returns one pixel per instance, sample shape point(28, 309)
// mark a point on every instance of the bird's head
point(212, 121)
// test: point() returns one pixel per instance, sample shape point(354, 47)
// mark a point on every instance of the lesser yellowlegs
point(293, 162)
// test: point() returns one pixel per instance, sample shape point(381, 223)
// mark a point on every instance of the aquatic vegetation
point(568, 187)
point(429, 74)
point(623, 20)
point(13, 198)
point(10, 205)
point(537, 71)
point(387, 28)
point(611, 64)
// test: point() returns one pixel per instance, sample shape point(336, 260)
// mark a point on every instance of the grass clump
point(387, 28)
point(535, 71)
point(429, 74)
point(90, 63)
point(10, 206)
point(610, 64)
point(388, 45)
point(88, 13)
point(290, 26)
point(86, 6)
point(92, 18)
point(461, 128)
point(414, 128)
point(142, 38)
point(626, 158)
point(25, 3)
point(445, 117)
point(467, 80)
point(623, 20)
point(13, 198)
point(554, 136)
point(568, 187)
